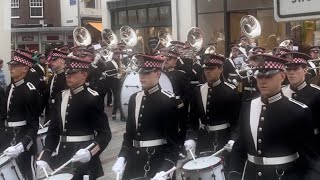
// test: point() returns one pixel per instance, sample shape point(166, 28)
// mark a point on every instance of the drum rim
point(202, 169)
point(6, 162)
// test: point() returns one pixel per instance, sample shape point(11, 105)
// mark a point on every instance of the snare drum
point(42, 134)
point(9, 169)
point(206, 168)
point(131, 85)
point(64, 174)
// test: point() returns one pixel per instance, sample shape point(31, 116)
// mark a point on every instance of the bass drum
point(131, 85)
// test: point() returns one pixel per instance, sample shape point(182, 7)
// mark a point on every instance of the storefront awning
point(96, 25)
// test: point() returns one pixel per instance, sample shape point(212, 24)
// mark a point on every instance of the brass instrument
point(128, 36)
point(195, 38)
point(250, 26)
point(288, 44)
point(81, 36)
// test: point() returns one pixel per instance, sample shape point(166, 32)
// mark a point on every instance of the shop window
point(207, 6)
point(15, 9)
point(212, 26)
point(142, 16)
point(36, 8)
point(272, 32)
point(165, 14)
point(132, 17)
point(153, 15)
point(90, 4)
point(122, 17)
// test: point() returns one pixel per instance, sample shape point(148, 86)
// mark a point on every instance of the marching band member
point(216, 104)
point(57, 82)
point(314, 53)
point(249, 84)
point(32, 76)
point(275, 132)
point(181, 88)
point(299, 89)
point(78, 117)
point(22, 115)
point(230, 66)
point(149, 145)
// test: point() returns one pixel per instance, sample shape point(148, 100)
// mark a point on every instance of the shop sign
point(27, 38)
point(296, 10)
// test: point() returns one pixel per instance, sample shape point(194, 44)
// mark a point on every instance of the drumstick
point(170, 171)
point(68, 162)
point(46, 124)
point(2, 155)
point(45, 171)
point(192, 156)
point(40, 126)
point(216, 153)
point(118, 176)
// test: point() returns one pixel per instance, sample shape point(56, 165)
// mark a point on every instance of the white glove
point(14, 151)
point(119, 166)
point(160, 176)
point(83, 156)
point(229, 145)
point(189, 144)
point(40, 171)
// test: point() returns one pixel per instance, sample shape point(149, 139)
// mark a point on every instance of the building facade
point(41, 25)
point(219, 20)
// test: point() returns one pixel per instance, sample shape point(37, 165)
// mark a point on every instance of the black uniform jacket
point(22, 104)
point(84, 115)
point(274, 127)
point(151, 116)
point(213, 104)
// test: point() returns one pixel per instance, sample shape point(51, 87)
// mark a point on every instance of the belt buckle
point(258, 160)
point(136, 144)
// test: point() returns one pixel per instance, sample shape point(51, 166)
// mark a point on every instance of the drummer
point(216, 104)
point(275, 132)
point(78, 118)
point(149, 145)
point(20, 115)
point(181, 88)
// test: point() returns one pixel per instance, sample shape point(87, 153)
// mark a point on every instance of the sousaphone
point(81, 36)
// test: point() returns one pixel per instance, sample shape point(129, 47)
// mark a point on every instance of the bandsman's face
point(18, 71)
point(271, 84)
point(314, 55)
point(150, 79)
point(170, 62)
point(76, 79)
point(296, 75)
point(213, 74)
point(57, 64)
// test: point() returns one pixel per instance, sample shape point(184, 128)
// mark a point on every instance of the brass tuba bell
point(81, 36)
point(195, 38)
point(250, 26)
point(128, 36)
point(109, 38)
point(165, 38)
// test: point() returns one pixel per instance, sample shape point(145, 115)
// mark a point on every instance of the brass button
point(208, 118)
point(138, 134)
point(64, 146)
point(142, 106)
point(294, 95)
point(260, 129)
point(264, 108)
point(140, 115)
point(208, 103)
point(64, 130)
point(259, 152)
point(259, 141)
point(259, 173)
point(138, 152)
point(262, 118)
point(139, 124)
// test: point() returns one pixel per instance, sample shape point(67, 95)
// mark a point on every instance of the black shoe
point(114, 117)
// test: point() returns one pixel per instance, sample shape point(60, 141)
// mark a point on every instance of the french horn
point(250, 26)
point(81, 36)
point(128, 36)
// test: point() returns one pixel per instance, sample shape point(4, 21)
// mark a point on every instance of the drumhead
point(202, 163)
point(65, 176)
point(131, 85)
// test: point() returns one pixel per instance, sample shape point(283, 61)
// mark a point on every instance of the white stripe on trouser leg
point(32, 168)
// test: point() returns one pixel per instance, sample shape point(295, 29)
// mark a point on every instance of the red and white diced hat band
point(296, 58)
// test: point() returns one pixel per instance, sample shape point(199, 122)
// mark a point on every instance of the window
point(15, 9)
point(165, 15)
point(122, 17)
point(132, 17)
point(142, 16)
point(153, 15)
point(90, 4)
point(36, 8)
point(212, 26)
